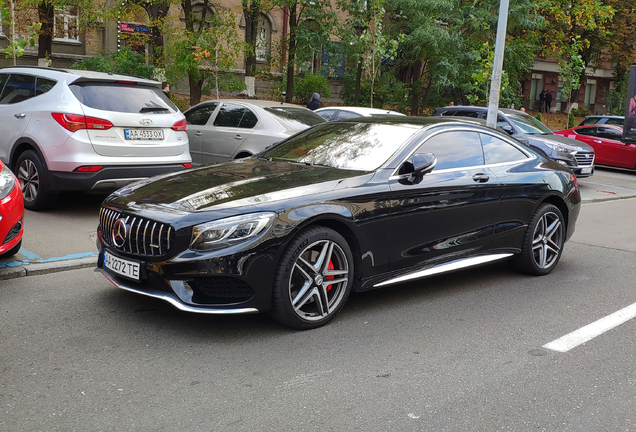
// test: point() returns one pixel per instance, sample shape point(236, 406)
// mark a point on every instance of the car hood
point(565, 141)
point(246, 183)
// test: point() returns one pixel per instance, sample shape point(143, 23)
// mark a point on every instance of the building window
point(261, 44)
point(66, 24)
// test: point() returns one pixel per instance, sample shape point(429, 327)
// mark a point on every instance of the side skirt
point(446, 267)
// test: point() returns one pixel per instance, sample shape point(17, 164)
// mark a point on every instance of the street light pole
point(495, 84)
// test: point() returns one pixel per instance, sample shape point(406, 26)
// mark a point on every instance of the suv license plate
point(586, 170)
point(122, 267)
point(143, 134)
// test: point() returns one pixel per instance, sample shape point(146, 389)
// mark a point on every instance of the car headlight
point(556, 147)
point(229, 231)
point(7, 182)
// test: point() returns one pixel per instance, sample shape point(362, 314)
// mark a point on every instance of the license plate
point(122, 267)
point(143, 134)
point(586, 170)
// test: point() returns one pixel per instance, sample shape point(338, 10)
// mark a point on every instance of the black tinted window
point(17, 89)
point(497, 150)
point(121, 97)
point(199, 116)
point(615, 121)
point(231, 115)
point(589, 121)
point(454, 149)
point(611, 133)
point(42, 85)
point(346, 115)
point(294, 118)
point(326, 114)
point(463, 113)
point(589, 131)
point(3, 79)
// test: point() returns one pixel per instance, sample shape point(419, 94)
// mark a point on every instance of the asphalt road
point(463, 351)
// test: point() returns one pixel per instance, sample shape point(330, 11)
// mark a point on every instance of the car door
point(452, 211)
point(614, 151)
point(16, 104)
point(197, 119)
point(231, 125)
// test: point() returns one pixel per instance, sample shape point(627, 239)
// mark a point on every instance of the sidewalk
point(62, 252)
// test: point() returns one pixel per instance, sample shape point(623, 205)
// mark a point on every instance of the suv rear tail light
point(75, 122)
point(181, 125)
point(187, 165)
point(89, 168)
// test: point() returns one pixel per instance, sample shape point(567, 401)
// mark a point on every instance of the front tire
point(313, 279)
point(32, 174)
point(543, 242)
point(14, 250)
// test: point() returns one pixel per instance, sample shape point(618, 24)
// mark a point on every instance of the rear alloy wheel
point(31, 173)
point(543, 242)
point(313, 280)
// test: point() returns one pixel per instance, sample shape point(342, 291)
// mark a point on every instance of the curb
point(45, 268)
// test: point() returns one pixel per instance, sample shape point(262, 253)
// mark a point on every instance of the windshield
point(119, 97)
point(529, 124)
point(351, 146)
point(295, 118)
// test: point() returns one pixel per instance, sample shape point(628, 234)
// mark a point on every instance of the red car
point(609, 150)
point(11, 213)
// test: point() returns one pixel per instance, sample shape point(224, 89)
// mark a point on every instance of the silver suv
point(63, 130)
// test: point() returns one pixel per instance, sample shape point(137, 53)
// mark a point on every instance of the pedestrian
point(548, 101)
point(314, 103)
point(451, 103)
point(542, 101)
point(522, 109)
point(165, 87)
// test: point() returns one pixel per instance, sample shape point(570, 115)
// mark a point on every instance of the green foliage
point(616, 97)
point(539, 117)
point(581, 111)
point(388, 92)
point(570, 120)
point(572, 66)
point(305, 86)
point(17, 45)
point(124, 61)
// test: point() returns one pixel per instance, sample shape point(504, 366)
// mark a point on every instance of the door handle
point(198, 133)
point(481, 178)
point(597, 141)
point(238, 137)
point(19, 116)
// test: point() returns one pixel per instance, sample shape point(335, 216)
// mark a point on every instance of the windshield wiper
point(152, 109)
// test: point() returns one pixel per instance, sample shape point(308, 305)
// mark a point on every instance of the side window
point(588, 121)
point(17, 89)
point(497, 150)
point(615, 121)
point(229, 115)
point(454, 149)
point(42, 85)
point(199, 116)
point(327, 114)
point(249, 120)
point(346, 115)
point(608, 132)
point(449, 112)
point(3, 79)
point(466, 113)
point(588, 131)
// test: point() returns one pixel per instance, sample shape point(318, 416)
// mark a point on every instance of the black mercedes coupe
point(340, 207)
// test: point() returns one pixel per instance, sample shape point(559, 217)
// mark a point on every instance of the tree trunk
point(196, 89)
point(158, 13)
point(289, 97)
point(251, 12)
point(415, 89)
point(358, 79)
point(46, 14)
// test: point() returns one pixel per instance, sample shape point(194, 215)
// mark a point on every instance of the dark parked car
point(577, 156)
point(603, 119)
point(340, 207)
point(609, 150)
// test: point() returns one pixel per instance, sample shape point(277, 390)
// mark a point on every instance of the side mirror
point(508, 129)
point(414, 169)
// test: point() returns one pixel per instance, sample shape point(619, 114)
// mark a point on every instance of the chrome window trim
point(529, 156)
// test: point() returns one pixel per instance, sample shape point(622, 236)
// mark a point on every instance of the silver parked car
point(219, 130)
point(344, 112)
point(66, 130)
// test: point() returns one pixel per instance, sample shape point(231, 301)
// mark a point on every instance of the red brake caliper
point(330, 267)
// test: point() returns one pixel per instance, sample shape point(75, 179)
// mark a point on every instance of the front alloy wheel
point(31, 173)
point(314, 279)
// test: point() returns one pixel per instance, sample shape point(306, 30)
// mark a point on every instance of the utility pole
point(495, 84)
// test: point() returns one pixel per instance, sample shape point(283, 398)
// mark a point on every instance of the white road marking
point(590, 331)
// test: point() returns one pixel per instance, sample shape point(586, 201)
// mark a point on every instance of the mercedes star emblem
point(119, 233)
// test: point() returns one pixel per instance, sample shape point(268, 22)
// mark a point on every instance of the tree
point(207, 48)
point(572, 66)
point(16, 45)
point(310, 26)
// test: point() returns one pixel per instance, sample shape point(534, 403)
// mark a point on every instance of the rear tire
point(543, 242)
point(32, 175)
point(313, 279)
